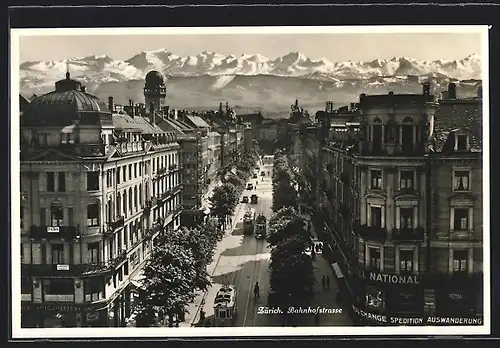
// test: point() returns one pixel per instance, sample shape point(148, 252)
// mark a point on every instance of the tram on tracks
point(225, 309)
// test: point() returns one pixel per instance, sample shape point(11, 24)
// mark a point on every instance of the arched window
point(130, 199)
point(141, 194)
point(125, 202)
point(110, 210)
point(408, 120)
point(118, 204)
point(56, 214)
point(136, 205)
point(146, 192)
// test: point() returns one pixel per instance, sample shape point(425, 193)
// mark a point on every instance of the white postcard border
point(18, 332)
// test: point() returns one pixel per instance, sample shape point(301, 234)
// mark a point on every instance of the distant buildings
point(99, 182)
point(400, 190)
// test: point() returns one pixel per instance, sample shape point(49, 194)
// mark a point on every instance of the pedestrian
point(328, 282)
point(323, 282)
point(313, 254)
point(202, 315)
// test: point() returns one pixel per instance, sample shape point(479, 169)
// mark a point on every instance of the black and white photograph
point(250, 181)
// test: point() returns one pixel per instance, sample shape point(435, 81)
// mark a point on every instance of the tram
point(225, 306)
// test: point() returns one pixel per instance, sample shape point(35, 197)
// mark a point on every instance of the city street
point(242, 261)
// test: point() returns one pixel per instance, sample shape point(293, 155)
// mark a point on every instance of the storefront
point(381, 296)
point(63, 315)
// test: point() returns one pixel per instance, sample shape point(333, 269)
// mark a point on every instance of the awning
point(337, 271)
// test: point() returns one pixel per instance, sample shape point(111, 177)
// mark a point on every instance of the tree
point(168, 284)
point(224, 201)
point(286, 228)
point(284, 194)
point(236, 181)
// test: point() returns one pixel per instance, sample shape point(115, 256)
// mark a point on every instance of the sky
point(333, 46)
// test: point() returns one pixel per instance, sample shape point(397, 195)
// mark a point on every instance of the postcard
point(250, 181)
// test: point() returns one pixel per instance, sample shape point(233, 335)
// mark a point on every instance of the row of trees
point(288, 238)
point(225, 197)
point(175, 271)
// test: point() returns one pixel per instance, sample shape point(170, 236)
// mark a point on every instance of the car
point(254, 175)
point(244, 199)
point(249, 186)
point(262, 173)
point(254, 199)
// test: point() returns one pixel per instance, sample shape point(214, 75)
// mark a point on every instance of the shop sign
point(390, 278)
point(92, 316)
point(52, 229)
point(62, 267)
point(57, 307)
point(455, 296)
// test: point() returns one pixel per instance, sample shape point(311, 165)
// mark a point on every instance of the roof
point(137, 124)
point(367, 101)
point(80, 100)
point(167, 125)
point(454, 114)
point(197, 121)
point(214, 134)
point(23, 102)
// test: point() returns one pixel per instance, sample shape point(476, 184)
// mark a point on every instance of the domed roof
point(69, 102)
point(154, 78)
point(81, 101)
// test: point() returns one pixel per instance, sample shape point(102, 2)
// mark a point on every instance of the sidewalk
point(326, 299)
point(193, 316)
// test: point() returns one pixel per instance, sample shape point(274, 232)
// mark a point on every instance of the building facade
point(97, 187)
point(401, 196)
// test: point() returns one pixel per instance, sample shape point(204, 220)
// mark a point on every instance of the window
point(376, 216)
point(93, 214)
point(124, 173)
point(61, 180)
point(406, 218)
point(130, 172)
point(140, 169)
point(93, 288)
point(93, 252)
point(57, 254)
point(56, 213)
point(50, 182)
point(406, 261)
point(42, 217)
point(71, 217)
point(376, 179)
point(461, 219)
point(406, 181)
point(43, 139)
point(22, 217)
point(135, 170)
point(374, 260)
point(67, 138)
point(460, 260)
point(58, 286)
point(92, 181)
point(461, 180)
point(26, 285)
point(118, 175)
point(461, 144)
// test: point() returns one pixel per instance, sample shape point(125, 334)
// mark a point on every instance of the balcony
point(150, 232)
point(393, 150)
point(372, 232)
point(54, 232)
point(455, 280)
point(161, 172)
point(408, 234)
point(464, 235)
point(147, 206)
point(65, 270)
point(173, 167)
point(115, 225)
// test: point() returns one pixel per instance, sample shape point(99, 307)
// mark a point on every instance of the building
point(401, 196)
point(98, 184)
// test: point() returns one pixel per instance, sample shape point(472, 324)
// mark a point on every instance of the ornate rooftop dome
point(154, 78)
point(68, 103)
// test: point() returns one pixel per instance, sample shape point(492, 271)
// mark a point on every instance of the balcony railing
point(408, 234)
point(116, 224)
point(465, 235)
point(54, 232)
point(393, 150)
point(58, 270)
point(372, 232)
point(59, 298)
point(150, 232)
point(173, 167)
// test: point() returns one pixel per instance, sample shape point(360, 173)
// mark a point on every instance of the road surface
point(245, 260)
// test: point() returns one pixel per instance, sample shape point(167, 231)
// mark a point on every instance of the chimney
point(452, 91)
point(480, 92)
point(227, 107)
point(426, 88)
point(83, 89)
point(176, 114)
point(353, 106)
point(220, 109)
point(111, 104)
point(166, 111)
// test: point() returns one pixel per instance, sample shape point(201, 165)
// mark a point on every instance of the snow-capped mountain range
point(220, 72)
